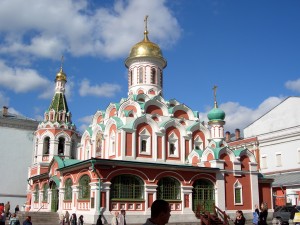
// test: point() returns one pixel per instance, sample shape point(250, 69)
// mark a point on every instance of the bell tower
point(56, 134)
point(145, 65)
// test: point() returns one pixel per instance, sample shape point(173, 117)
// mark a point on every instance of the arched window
point(153, 76)
point(98, 145)
point(68, 189)
point(61, 145)
point(145, 142)
point(46, 146)
point(130, 77)
point(141, 74)
point(84, 187)
point(45, 192)
point(127, 187)
point(238, 193)
point(168, 189)
point(203, 195)
point(173, 145)
point(36, 193)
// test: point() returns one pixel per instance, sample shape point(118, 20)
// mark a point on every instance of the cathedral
point(140, 149)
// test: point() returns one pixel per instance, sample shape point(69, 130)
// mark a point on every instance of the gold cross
point(145, 20)
point(62, 62)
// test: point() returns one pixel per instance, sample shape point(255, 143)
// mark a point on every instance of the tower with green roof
point(56, 134)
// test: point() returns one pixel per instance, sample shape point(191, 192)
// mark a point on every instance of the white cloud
point(49, 28)
point(85, 122)
point(238, 116)
point(103, 90)
point(293, 85)
point(21, 80)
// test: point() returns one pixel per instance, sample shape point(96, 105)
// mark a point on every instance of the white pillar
point(220, 191)
point(187, 190)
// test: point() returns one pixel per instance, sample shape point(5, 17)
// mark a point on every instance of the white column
point(75, 192)
point(187, 190)
point(61, 197)
point(106, 189)
point(220, 191)
point(149, 189)
point(133, 145)
point(95, 190)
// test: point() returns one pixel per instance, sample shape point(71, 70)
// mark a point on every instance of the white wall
point(16, 148)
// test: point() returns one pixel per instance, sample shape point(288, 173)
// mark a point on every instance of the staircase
point(40, 218)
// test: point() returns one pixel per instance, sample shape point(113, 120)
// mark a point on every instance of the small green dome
point(216, 114)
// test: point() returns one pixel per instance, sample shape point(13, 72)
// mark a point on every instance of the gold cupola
point(145, 48)
point(61, 74)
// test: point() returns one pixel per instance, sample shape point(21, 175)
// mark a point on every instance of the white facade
point(278, 134)
point(16, 143)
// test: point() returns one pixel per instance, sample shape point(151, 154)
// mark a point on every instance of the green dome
point(216, 114)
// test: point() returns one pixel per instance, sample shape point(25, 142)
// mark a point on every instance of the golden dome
point(146, 48)
point(61, 75)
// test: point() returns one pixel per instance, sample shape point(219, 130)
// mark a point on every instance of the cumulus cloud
point(293, 85)
point(21, 80)
point(42, 29)
point(238, 116)
point(85, 122)
point(103, 90)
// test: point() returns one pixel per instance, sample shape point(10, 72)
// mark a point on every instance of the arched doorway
point(203, 195)
point(54, 197)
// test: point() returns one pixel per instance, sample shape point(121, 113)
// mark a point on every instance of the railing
point(209, 219)
point(220, 213)
point(40, 208)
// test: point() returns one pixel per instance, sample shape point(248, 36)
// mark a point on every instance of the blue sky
point(249, 49)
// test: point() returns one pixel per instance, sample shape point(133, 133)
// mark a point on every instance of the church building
point(140, 149)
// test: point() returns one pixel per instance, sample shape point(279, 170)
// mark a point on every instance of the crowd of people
point(71, 220)
point(5, 214)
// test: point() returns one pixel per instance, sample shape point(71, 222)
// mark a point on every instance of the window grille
point(140, 75)
point(204, 195)
point(144, 146)
point(45, 192)
point(84, 187)
point(68, 189)
point(36, 194)
point(238, 193)
point(168, 189)
point(127, 187)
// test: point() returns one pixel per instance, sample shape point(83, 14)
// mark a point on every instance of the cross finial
point(62, 62)
point(215, 95)
point(146, 20)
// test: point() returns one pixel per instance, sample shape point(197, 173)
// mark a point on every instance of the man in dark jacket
point(27, 221)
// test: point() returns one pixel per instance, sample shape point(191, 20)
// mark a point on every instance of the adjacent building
point(278, 135)
point(16, 142)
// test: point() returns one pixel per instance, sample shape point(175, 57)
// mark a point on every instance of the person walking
point(73, 219)
point(263, 214)
point(99, 220)
point(115, 219)
point(122, 217)
point(67, 218)
point(17, 209)
point(27, 221)
point(239, 219)
point(14, 220)
point(80, 220)
point(160, 213)
point(6, 209)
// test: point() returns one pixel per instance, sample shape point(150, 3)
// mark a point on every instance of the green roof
point(59, 103)
point(216, 114)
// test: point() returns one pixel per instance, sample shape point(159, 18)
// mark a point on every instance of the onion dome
point(61, 74)
point(145, 48)
point(216, 114)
